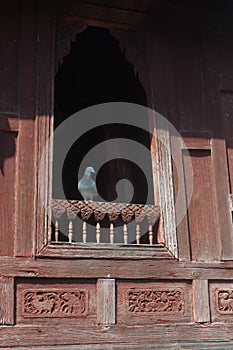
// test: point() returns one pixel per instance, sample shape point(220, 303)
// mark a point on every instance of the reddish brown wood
point(9, 122)
point(7, 301)
point(39, 335)
point(202, 211)
point(9, 47)
point(153, 302)
point(196, 139)
point(8, 144)
point(186, 88)
point(51, 302)
point(25, 183)
point(201, 312)
point(115, 268)
point(216, 66)
point(106, 301)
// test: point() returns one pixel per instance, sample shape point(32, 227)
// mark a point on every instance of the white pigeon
point(87, 186)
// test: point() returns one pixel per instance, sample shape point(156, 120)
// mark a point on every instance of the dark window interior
point(96, 71)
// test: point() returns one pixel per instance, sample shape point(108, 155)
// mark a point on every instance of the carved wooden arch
point(131, 44)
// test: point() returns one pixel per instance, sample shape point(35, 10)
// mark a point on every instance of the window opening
point(96, 71)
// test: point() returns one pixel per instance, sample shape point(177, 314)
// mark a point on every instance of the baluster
point(56, 231)
point(125, 232)
point(84, 232)
point(50, 233)
point(138, 234)
point(150, 234)
point(98, 232)
point(70, 231)
point(111, 233)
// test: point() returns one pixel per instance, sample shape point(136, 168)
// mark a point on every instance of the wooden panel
point(201, 212)
point(221, 181)
point(55, 301)
point(9, 122)
point(196, 139)
point(221, 301)
point(26, 144)
point(106, 301)
point(7, 191)
point(153, 302)
point(227, 116)
point(216, 65)
point(9, 48)
point(6, 301)
point(201, 312)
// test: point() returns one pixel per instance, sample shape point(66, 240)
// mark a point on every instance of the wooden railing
point(102, 215)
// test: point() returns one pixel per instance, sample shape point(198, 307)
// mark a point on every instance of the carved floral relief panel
point(42, 302)
point(158, 301)
point(154, 302)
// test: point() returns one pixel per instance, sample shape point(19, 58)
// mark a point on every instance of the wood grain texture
point(44, 119)
point(6, 300)
point(197, 345)
point(216, 67)
point(52, 301)
point(9, 47)
point(60, 334)
point(91, 13)
point(106, 301)
point(26, 172)
point(8, 145)
point(221, 181)
point(202, 208)
point(115, 268)
point(9, 122)
point(153, 302)
point(221, 301)
point(201, 312)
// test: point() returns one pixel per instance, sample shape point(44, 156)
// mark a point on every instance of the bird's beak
point(93, 171)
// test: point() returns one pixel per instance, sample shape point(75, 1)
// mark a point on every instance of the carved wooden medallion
point(225, 301)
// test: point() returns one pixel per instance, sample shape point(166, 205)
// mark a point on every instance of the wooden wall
point(190, 61)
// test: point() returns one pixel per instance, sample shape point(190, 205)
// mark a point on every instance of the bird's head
point(89, 170)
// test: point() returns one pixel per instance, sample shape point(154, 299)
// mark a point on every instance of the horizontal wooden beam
point(71, 334)
point(9, 122)
point(92, 13)
point(113, 268)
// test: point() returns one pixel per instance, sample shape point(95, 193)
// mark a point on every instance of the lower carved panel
point(221, 301)
point(154, 302)
point(42, 301)
point(53, 303)
point(225, 301)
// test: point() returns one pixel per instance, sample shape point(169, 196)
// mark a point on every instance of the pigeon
point(87, 186)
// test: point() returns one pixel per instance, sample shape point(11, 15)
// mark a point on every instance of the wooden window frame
point(62, 30)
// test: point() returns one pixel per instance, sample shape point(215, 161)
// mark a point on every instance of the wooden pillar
point(106, 301)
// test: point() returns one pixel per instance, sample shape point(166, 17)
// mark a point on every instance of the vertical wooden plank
point(26, 170)
point(202, 209)
point(106, 301)
point(222, 192)
point(214, 42)
point(6, 300)
point(7, 191)
point(201, 307)
point(44, 122)
point(9, 48)
point(182, 228)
